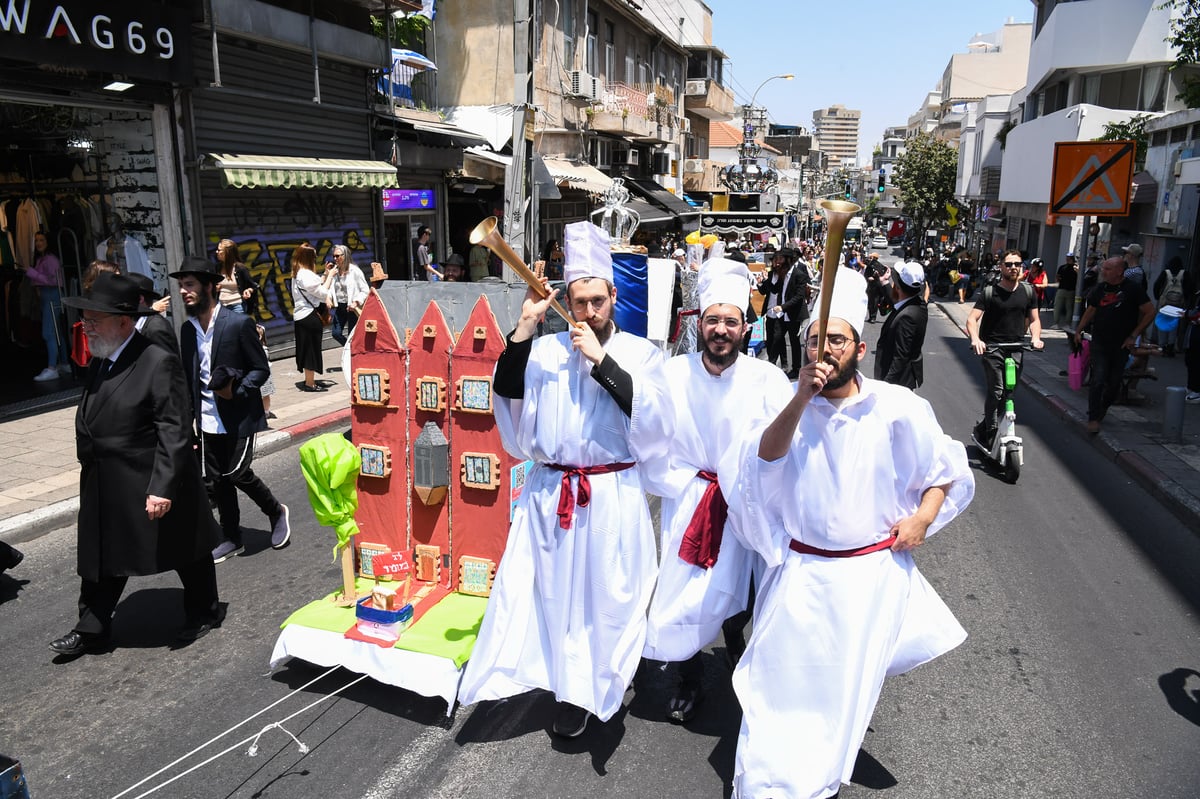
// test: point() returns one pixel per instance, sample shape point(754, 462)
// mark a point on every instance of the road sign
point(1092, 178)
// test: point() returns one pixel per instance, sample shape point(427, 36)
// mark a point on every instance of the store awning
point(284, 172)
point(577, 176)
point(661, 197)
point(649, 214)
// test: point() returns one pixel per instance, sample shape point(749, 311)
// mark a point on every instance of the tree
point(1185, 38)
point(1133, 129)
point(925, 174)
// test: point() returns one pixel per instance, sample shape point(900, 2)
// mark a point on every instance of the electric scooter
point(1006, 449)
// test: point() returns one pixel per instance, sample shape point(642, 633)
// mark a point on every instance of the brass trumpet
point(485, 233)
point(838, 214)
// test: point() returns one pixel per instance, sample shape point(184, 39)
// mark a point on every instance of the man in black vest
point(225, 365)
point(898, 354)
point(142, 508)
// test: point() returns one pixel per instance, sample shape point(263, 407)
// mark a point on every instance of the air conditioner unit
point(694, 87)
point(685, 125)
point(584, 85)
point(625, 157)
point(693, 165)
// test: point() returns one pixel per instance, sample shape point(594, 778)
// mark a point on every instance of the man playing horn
point(704, 574)
point(567, 612)
point(842, 603)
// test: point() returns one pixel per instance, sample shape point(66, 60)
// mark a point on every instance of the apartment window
point(610, 50)
point(568, 27)
point(630, 62)
point(1195, 132)
point(590, 66)
point(1158, 138)
point(1178, 135)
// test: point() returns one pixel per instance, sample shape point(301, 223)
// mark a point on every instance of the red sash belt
point(566, 496)
point(702, 539)
point(805, 549)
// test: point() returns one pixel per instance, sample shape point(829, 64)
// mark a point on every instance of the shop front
point(87, 157)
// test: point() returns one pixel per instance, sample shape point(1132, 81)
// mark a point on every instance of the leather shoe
point(198, 629)
point(682, 707)
point(76, 643)
point(570, 721)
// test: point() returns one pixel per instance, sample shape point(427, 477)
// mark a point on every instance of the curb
point(25, 527)
point(1173, 496)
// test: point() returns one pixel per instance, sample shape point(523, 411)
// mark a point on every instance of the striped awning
point(284, 172)
point(577, 176)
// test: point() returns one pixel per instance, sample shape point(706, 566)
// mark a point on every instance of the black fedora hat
point(113, 294)
point(202, 268)
point(145, 287)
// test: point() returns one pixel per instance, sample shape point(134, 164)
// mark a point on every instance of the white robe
point(568, 607)
point(827, 630)
point(711, 413)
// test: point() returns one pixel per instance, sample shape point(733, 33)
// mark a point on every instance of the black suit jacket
point(235, 345)
point(898, 354)
point(133, 438)
point(160, 332)
point(795, 294)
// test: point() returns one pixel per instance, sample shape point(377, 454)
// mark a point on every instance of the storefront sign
point(408, 200)
point(134, 40)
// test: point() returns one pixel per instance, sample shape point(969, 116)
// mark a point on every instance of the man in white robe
point(567, 611)
point(704, 573)
point(842, 604)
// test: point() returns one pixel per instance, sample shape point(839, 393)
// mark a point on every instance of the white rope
point(218, 737)
point(250, 738)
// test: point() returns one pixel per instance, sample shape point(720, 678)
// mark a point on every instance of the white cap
point(910, 273)
point(717, 250)
point(586, 253)
point(849, 301)
point(724, 282)
point(1132, 249)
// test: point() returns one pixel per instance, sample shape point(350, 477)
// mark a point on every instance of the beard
point(716, 358)
point(102, 346)
point(602, 328)
point(202, 303)
point(844, 374)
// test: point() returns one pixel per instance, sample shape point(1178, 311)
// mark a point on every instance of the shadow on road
point(1183, 701)
point(10, 587)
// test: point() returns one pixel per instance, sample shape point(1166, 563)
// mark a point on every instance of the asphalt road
point(1080, 677)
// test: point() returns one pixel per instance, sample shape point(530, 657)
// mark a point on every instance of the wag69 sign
point(139, 40)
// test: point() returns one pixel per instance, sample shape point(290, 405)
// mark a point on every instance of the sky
point(879, 56)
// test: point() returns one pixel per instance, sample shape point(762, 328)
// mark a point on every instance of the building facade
point(836, 129)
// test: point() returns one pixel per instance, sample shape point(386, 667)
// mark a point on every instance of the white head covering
point(910, 273)
point(723, 281)
point(586, 253)
point(849, 299)
point(717, 250)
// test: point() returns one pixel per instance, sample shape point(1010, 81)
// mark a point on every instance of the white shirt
point(308, 291)
point(210, 420)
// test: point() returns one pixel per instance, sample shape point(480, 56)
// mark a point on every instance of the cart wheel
point(1012, 466)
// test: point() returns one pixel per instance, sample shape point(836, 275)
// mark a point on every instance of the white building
point(1092, 62)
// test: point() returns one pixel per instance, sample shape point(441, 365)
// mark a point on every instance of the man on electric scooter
point(1001, 315)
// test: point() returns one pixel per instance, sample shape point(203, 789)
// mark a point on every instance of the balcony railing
point(628, 110)
point(707, 98)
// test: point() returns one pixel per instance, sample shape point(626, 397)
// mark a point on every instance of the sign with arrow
point(1092, 178)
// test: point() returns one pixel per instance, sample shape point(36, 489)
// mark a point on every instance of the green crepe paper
point(447, 630)
point(330, 465)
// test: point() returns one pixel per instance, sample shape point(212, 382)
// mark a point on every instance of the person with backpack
point(1172, 288)
point(1002, 314)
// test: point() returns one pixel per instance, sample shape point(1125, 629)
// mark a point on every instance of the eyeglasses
point(713, 321)
point(1013, 263)
point(834, 342)
point(94, 321)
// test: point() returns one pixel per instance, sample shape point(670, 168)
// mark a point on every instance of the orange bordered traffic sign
point(1092, 178)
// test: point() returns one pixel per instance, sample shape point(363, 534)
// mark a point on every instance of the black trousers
point(1108, 365)
point(793, 334)
point(227, 461)
point(777, 342)
point(1192, 360)
point(98, 599)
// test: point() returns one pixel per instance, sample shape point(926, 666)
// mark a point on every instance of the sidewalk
point(39, 474)
point(1131, 435)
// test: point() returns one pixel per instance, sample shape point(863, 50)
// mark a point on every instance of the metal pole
point(516, 178)
point(1080, 266)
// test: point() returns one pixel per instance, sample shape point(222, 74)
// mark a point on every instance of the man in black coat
point(142, 507)
point(225, 365)
point(898, 353)
point(154, 326)
point(795, 306)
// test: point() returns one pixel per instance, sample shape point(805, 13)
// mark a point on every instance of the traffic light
point(849, 193)
point(882, 181)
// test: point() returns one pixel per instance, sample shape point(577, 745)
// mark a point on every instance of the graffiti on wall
point(267, 232)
